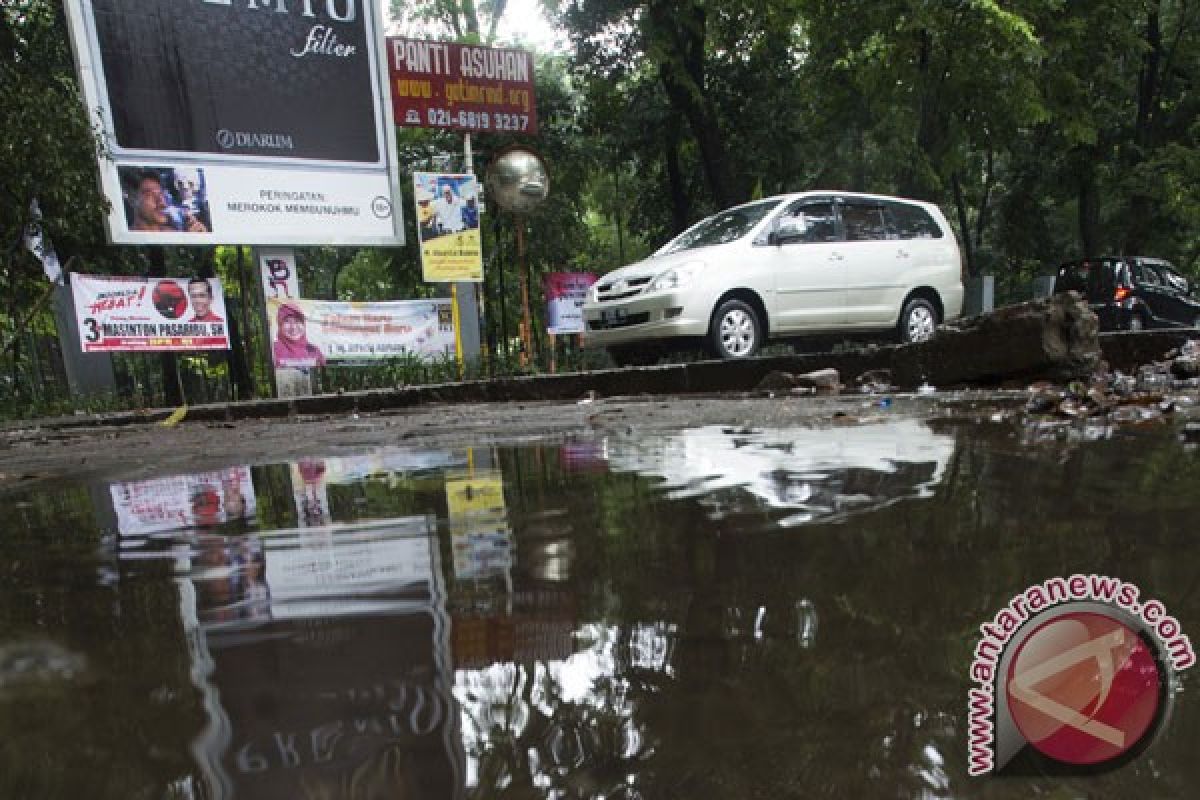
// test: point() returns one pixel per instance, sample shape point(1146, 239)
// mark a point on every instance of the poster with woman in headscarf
point(309, 333)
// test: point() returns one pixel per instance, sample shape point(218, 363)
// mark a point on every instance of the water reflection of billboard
point(816, 473)
point(343, 689)
point(183, 501)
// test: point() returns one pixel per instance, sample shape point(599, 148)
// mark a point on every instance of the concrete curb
point(1124, 351)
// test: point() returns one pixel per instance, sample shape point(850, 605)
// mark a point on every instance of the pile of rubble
point(1092, 409)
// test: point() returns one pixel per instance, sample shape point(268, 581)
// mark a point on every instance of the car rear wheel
point(918, 321)
point(735, 331)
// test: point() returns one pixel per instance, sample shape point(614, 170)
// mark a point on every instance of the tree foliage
point(1045, 129)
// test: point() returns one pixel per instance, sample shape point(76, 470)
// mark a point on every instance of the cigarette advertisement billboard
point(141, 315)
point(241, 121)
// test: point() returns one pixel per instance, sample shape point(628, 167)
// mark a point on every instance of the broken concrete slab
point(1054, 339)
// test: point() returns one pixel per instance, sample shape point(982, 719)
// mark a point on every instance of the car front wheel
point(918, 321)
point(736, 331)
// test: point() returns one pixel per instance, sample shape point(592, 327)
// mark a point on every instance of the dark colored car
point(1131, 293)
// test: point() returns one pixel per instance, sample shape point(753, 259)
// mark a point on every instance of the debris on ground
point(1092, 409)
point(824, 380)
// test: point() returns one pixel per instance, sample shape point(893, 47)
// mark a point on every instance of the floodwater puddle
point(712, 612)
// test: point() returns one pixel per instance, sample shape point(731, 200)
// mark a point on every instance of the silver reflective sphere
point(517, 181)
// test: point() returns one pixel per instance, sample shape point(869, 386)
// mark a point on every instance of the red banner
point(461, 86)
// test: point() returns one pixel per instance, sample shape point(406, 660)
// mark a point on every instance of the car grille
point(623, 322)
point(620, 289)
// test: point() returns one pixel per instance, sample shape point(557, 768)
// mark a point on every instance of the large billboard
point(462, 87)
point(241, 121)
point(140, 315)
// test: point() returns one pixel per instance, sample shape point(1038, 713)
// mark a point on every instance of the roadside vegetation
point(1046, 130)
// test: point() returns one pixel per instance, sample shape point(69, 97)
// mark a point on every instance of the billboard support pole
point(458, 345)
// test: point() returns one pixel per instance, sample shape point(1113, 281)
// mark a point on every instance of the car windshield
point(721, 228)
point(1093, 278)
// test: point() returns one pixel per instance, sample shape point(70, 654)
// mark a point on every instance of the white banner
point(278, 270)
point(149, 314)
point(308, 333)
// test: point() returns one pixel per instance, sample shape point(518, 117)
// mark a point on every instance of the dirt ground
point(41, 453)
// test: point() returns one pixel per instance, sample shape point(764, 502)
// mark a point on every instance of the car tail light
point(1121, 293)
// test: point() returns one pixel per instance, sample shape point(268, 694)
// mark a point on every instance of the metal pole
point(526, 339)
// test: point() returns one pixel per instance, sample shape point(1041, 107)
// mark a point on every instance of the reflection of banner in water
point(182, 501)
point(312, 477)
point(308, 492)
point(479, 531)
point(368, 331)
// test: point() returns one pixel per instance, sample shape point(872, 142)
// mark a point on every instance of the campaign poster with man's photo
point(183, 501)
point(448, 227)
point(149, 314)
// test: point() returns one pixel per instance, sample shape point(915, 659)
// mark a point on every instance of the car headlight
point(593, 293)
point(677, 277)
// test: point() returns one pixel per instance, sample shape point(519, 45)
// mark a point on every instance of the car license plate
point(613, 316)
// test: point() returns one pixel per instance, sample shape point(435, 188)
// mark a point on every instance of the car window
point(1175, 280)
point(1147, 275)
point(725, 226)
point(814, 218)
point(1092, 278)
point(863, 222)
point(911, 222)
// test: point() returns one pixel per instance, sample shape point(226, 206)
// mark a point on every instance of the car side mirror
point(788, 229)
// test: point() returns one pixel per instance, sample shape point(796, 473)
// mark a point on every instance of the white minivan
point(813, 263)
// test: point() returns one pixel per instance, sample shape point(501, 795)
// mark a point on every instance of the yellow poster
point(477, 494)
point(448, 227)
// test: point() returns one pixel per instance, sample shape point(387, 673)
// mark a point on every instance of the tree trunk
point(1089, 206)
point(677, 32)
point(964, 224)
point(676, 186)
